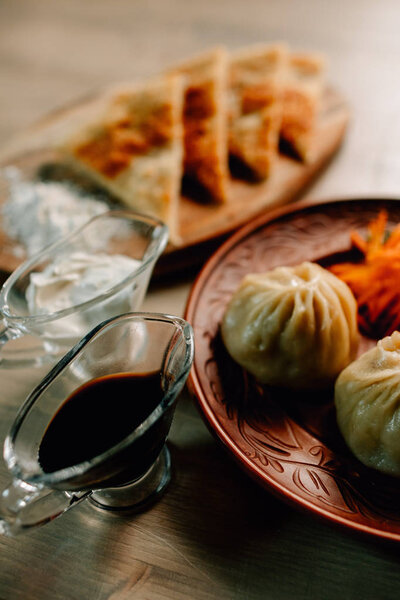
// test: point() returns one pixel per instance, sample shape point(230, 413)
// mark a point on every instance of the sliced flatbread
point(255, 105)
point(301, 101)
point(205, 121)
point(135, 148)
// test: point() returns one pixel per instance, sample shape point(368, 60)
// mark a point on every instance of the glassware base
point(138, 495)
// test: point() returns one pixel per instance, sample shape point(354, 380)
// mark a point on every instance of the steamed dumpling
point(292, 326)
point(367, 399)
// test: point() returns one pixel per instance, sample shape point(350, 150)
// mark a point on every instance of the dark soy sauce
point(99, 415)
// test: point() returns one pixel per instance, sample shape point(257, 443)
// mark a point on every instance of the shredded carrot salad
point(375, 281)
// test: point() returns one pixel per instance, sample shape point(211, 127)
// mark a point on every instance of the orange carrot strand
point(375, 281)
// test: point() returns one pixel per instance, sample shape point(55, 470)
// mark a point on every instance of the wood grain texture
point(215, 534)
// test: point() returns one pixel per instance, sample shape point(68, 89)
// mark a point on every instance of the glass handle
point(8, 333)
point(23, 506)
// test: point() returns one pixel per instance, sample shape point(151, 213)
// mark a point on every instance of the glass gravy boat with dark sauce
point(96, 425)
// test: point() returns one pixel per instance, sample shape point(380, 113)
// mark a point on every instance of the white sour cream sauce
point(76, 279)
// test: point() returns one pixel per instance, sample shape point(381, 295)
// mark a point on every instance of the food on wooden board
point(256, 78)
point(205, 121)
point(190, 119)
point(134, 149)
point(304, 84)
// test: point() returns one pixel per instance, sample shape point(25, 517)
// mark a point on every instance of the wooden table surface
point(215, 534)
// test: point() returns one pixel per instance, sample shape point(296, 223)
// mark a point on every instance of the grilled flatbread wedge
point(255, 105)
point(135, 148)
point(205, 122)
point(301, 100)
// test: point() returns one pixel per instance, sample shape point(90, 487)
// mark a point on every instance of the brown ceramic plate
point(288, 443)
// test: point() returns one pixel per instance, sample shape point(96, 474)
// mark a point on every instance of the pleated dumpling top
point(292, 326)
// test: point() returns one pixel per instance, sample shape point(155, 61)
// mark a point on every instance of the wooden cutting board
point(202, 224)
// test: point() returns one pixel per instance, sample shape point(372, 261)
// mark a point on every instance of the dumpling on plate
point(292, 326)
point(367, 399)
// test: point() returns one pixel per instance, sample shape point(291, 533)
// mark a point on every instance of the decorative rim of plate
point(206, 410)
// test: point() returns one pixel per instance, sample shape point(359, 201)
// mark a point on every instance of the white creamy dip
point(78, 278)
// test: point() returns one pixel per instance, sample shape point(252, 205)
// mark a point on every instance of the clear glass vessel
point(121, 232)
point(135, 470)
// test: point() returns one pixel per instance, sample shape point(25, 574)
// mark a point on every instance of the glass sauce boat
point(136, 468)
